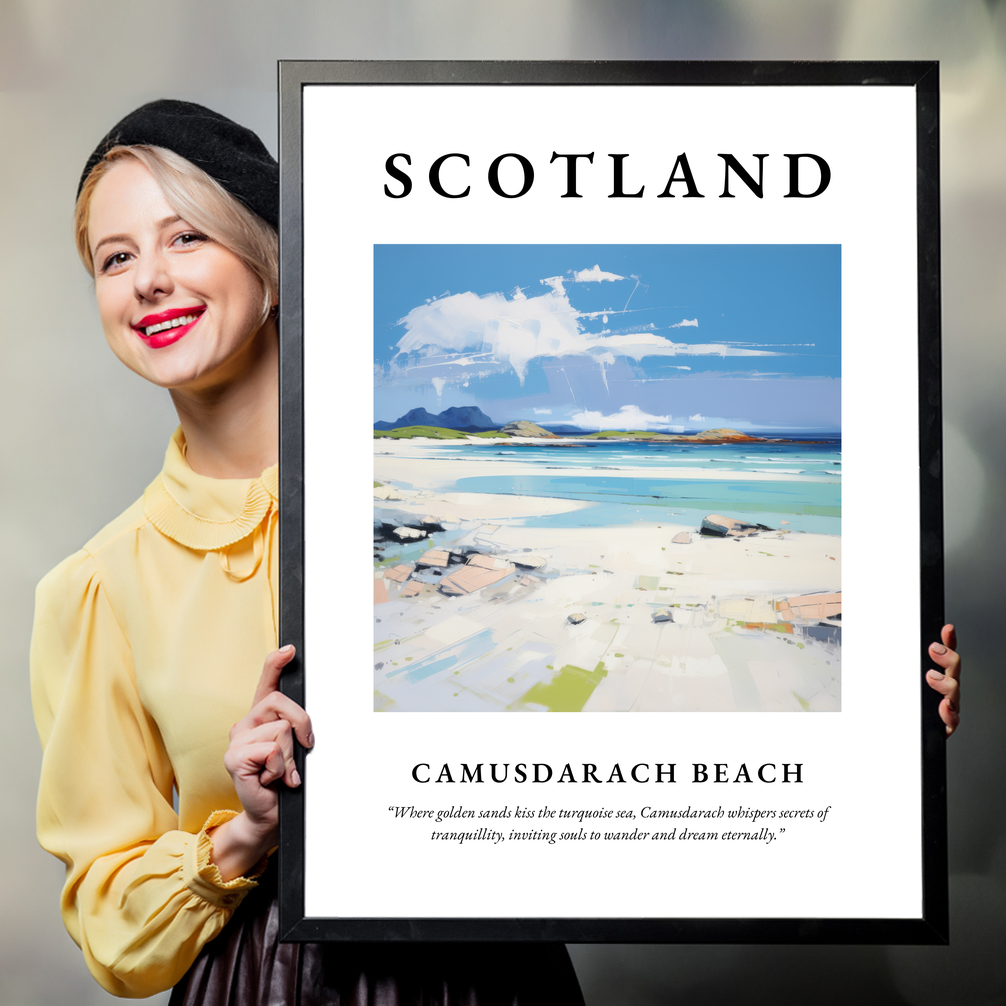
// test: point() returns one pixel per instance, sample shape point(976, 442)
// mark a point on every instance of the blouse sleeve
point(141, 898)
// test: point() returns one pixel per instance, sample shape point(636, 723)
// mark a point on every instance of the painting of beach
point(607, 478)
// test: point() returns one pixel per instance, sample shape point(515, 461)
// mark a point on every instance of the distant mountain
point(565, 428)
point(467, 419)
point(416, 417)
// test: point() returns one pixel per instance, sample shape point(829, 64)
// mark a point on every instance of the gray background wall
point(82, 436)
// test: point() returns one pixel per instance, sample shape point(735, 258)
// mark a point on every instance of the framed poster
point(642, 363)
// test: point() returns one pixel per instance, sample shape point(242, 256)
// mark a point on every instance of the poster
point(630, 357)
point(612, 521)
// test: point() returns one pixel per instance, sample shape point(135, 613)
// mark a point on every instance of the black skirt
point(246, 965)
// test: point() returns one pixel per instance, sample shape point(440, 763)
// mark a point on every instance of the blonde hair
point(199, 200)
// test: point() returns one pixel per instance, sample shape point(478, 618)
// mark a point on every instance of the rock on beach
point(718, 526)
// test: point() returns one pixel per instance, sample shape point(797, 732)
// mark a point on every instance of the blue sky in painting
point(658, 337)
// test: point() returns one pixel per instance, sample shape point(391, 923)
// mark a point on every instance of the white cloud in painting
point(685, 323)
point(636, 345)
point(628, 417)
point(697, 418)
point(464, 328)
point(595, 275)
point(555, 282)
point(511, 332)
point(543, 412)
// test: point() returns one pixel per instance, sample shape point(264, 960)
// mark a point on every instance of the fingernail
point(295, 777)
point(938, 648)
point(287, 649)
point(310, 740)
point(936, 675)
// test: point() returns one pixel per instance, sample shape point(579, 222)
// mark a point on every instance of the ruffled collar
point(203, 513)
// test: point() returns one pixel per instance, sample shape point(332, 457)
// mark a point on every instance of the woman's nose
point(152, 277)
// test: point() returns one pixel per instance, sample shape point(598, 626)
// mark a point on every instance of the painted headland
point(607, 478)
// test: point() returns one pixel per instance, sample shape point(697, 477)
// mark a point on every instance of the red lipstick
point(166, 329)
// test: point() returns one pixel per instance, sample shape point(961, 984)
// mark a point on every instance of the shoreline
point(407, 461)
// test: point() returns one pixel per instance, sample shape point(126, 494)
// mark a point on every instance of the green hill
point(432, 432)
point(629, 435)
point(717, 436)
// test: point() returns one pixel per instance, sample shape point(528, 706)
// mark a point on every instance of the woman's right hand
point(260, 753)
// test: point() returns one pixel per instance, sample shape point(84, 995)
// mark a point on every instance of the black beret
point(230, 154)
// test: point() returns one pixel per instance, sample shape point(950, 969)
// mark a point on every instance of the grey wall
point(82, 437)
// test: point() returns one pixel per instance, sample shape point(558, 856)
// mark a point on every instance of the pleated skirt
point(246, 965)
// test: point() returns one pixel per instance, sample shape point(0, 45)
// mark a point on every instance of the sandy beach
point(482, 609)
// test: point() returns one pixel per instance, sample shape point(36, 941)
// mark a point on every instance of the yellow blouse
point(147, 647)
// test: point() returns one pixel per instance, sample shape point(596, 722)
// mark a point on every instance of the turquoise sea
point(797, 483)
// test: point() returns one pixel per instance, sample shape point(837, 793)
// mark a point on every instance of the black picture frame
point(932, 927)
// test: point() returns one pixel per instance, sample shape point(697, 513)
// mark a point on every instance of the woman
point(148, 643)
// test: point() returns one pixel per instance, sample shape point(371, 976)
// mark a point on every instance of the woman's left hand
point(948, 681)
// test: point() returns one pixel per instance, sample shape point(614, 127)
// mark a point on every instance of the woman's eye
point(190, 238)
point(114, 261)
